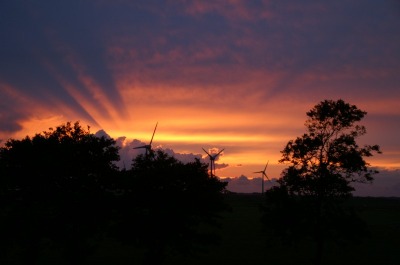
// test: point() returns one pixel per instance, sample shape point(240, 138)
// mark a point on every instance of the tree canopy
point(53, 187)
point(165, 203)
point(322, 165)
point(329, 150)
point(60, 190)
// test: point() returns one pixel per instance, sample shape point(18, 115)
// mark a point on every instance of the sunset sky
point(233, 74)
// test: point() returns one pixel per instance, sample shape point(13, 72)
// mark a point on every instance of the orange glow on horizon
point(245, 115)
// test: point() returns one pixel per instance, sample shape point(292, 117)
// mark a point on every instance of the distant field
point(243, 241)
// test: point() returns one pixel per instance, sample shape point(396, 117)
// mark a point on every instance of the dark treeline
point(61, 193)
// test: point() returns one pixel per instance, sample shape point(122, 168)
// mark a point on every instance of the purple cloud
point(243, 184)
point(385, 184)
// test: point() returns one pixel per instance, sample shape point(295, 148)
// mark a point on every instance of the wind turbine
point(212, 160)
point(148, 146)
point(262, 178)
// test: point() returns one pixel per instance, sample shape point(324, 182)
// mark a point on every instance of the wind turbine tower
point(262, 177)
point(212, 160)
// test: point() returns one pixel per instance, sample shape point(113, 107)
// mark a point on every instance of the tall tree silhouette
point(323, 163)
point(164, 203)
point(53, 186)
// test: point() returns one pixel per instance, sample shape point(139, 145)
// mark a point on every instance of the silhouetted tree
point(54, 187)
point(324, 162)
point(165, 204)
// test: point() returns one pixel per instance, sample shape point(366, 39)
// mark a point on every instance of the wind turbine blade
point(139, 147)
point(215, 156)
point(153, 134)
point(220, 152)
point(206, 152)
point(266, 176)
point(266, 166)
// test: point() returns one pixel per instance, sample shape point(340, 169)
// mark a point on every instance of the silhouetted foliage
point(61, 191)
point(53, 191)
point(164, 205)
point(309, 201)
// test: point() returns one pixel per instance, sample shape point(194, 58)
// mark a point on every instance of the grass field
point(243, 239)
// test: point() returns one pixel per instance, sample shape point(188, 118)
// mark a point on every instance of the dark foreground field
point(243, 240)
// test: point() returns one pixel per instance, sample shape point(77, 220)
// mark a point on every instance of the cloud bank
point(243, 184)
point(385, 184)
point(128, 153)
